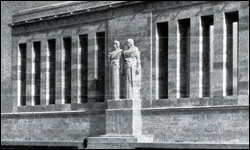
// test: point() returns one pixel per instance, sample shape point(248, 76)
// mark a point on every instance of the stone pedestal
point(123, 125)
point(123, 117)
point(112, 142)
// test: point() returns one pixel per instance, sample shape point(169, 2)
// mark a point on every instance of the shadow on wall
point(6, 98)
point(97, 125)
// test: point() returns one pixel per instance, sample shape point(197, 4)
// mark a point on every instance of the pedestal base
point(123, 126)
point(123, 117)
point(111, 142)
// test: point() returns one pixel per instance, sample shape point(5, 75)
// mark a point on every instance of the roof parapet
point(66, 14)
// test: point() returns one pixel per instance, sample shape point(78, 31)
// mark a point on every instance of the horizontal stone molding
point(42, 143)
point(57, 113)
point(194, 108)
point(134, 145)
point(192, 145)
point(188, 108)
point(62, 107)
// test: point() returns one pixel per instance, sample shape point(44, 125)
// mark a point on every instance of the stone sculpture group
point(125, 71)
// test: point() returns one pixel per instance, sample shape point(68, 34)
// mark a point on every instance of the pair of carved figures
point(125, 71)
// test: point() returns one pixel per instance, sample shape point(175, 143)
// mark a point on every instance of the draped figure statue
point(114, 58)
point(132, 71)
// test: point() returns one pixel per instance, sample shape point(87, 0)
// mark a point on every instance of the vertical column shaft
point(218, 55)
point(59, 71)
point(194, 57)
point(28, 72)
point(243, 53)
point(43, 72)
point(172, 60)
point(74, 69)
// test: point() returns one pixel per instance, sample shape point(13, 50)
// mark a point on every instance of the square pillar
point(58, 71)
point(43, 72)
point(15, 71)
point(92, 66)
point(28, 72)
point(172, 60)
point(194, 57)
point(74, 70)
point(217, 75)
point(243, 52)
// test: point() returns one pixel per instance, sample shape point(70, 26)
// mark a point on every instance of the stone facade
point(176, 114)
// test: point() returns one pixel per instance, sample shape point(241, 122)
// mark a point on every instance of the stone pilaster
point(217, 75)
point(172, 60)
point(43, 72)
point(58, 70)
point(243, 52)
point(92, 66)
point(74, 70)
point(194, 57)
point(15, 72)
point(28, 72)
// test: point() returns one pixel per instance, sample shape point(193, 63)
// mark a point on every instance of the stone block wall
point(61, 126)
point(217, 125)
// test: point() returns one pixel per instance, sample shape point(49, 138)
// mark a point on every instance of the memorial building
point(130, 74)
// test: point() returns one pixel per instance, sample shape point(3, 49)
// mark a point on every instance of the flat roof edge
point(67, 13)
point(47, 7)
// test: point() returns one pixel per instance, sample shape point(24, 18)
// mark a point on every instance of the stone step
point(111, 146)
point(112, 139)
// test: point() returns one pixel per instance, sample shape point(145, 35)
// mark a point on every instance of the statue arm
point(109, 57)
point(138, 65)
point(122, 64)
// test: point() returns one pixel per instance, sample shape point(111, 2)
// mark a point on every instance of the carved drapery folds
point(114, 58)
point(125, 65)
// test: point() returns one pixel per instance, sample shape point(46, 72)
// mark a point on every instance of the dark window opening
point(37, 61)
point(83, 39)
point(184, 32)
point(206, 23)
point(52, 68)
point(22, 52)
point(67, 69)
point(232, 20)
point(101, 66)
point(162, 29)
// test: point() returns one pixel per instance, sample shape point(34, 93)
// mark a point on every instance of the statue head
point(130, 42)
point(116, 45)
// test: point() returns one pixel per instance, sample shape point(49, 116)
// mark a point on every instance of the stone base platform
point(113, 145)
point(112, 142)
point(126, 142)
point(123, 126)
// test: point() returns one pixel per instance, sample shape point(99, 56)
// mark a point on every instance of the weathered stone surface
point(120, 104)
point(53, 127)
point(202, 125)
point(218, 53)
point(119, 122)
